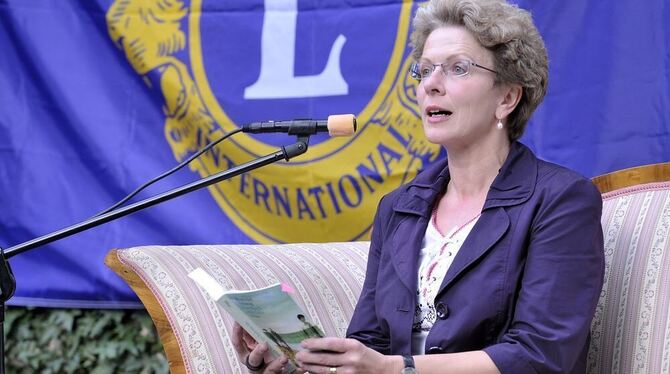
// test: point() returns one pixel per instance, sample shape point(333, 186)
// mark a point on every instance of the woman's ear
point(510, 99)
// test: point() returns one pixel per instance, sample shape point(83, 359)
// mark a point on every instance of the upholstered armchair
point(630, 331)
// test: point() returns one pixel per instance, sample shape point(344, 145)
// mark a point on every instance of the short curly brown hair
point(519, 54)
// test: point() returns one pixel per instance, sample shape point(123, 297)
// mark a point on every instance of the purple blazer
point(524, 285)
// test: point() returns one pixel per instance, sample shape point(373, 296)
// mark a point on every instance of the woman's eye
point(459, 68)
point(425, 71)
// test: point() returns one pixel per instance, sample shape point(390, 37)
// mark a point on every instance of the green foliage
point(40, 340)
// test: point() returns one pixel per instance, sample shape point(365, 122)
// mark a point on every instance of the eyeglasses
point(457, 68)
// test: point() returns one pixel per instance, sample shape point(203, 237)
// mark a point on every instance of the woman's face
point(458, 111)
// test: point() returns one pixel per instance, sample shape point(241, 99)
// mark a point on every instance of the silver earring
point(499, 125)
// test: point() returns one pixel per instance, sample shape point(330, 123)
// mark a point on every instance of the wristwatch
point(409, 365)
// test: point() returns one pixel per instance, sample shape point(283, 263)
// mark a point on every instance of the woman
point(491, 261)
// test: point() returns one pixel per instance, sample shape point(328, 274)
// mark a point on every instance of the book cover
point(268, 314)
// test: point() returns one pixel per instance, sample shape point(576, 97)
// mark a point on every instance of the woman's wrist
point(393, 364)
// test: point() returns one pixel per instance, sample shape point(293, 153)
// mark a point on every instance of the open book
point(268, 314)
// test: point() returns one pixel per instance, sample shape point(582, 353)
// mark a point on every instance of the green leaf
point(81, 341)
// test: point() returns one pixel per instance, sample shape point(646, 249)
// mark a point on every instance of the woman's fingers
point(328, 344)
point(249, 340)
point(320, 355)
point(324, 354)
point(316, 369)
point(242, 341)
point(276, 366)
point(256, 356)
point(309, 359)
point(237, 340)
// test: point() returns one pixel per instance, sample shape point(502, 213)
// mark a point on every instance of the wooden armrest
point(151, 303)
point(633, 177)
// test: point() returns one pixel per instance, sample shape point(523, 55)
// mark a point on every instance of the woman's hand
point(341, 356)
point(256, 357)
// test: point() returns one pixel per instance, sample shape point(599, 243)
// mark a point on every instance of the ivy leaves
point(81, 341)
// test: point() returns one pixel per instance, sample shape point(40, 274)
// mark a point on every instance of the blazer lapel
point(415, 205)
point(490, 227)
point(406, 250)
point(514, 185)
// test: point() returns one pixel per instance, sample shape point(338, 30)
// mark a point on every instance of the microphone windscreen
point(341, 125)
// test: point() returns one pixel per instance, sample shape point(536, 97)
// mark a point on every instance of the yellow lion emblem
point(265, 204)
point(149, 33)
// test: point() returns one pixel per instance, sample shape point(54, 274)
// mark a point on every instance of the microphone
point(335, 125)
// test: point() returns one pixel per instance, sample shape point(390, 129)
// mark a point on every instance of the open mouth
point(436, 113)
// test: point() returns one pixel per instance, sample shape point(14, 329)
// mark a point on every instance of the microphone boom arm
point(7, 279)
point(285, 153)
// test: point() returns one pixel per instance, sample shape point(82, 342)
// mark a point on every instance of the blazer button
point(434, 350)
point(442, 311)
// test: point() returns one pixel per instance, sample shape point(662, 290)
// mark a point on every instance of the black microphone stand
point(7, 280)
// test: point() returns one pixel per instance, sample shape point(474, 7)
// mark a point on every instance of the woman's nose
point(434, 83)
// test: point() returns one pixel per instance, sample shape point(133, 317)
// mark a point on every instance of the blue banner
point(99, 96)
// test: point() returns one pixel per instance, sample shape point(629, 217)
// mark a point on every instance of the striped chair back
point(630, 332)
point(195, 331)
